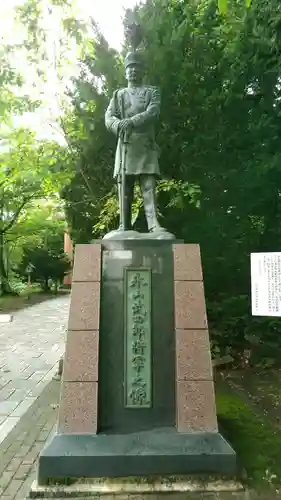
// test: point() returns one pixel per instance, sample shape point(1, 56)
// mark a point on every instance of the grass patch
point(256, 442)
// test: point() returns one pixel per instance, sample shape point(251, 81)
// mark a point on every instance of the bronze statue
point(131, 116)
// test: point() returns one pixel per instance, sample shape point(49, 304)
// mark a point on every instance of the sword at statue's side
point(124, 140)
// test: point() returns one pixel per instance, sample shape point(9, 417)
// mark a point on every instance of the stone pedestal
point(137, 394)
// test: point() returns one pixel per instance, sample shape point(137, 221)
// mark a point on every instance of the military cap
point(133, 58)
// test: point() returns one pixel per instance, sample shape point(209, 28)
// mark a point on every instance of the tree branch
point(17, 213)
point(71, 148)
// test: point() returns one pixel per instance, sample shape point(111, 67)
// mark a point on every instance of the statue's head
point(134, 67)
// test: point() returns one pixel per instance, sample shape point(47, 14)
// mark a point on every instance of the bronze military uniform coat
point(142, 106)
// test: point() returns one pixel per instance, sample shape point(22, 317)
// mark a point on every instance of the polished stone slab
point(118, 258)
point(161, 451)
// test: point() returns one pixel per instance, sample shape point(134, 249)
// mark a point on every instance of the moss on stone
point(256, 442)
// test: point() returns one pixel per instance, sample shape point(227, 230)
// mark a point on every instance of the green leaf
point(222, 5)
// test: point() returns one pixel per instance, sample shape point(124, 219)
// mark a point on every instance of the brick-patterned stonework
point(79, 393)
point(195, 396)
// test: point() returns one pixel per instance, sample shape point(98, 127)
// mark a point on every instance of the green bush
point(45, 266)
point(234, 330)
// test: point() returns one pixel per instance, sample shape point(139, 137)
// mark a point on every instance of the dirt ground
point(260, 388)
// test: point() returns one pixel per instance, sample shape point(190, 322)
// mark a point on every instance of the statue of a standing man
point(131, 115)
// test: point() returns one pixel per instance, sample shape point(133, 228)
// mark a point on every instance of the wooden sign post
point(29, 270)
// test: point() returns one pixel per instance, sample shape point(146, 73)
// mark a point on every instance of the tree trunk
point(46, 287)
point(4, 282)
point(5, 288)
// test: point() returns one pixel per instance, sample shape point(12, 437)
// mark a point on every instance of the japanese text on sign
point(138, 339)
point(266, 284)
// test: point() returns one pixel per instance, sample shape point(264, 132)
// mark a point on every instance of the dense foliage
point(32, 170)
point(220, 146)
point(45, 266)
point(218, 65)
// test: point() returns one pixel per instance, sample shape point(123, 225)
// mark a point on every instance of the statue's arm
point(152, 111)
point(112, 115)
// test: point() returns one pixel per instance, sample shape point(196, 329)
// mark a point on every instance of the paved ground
point(20, 450)
point(30, 348)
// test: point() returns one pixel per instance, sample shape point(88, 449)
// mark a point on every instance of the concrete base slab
point(149, 453)
point(134, 486)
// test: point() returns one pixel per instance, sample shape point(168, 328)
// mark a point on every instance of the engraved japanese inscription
point(138, 338)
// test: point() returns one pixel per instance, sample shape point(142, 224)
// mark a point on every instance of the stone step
point(128, 488)
point(242, 495)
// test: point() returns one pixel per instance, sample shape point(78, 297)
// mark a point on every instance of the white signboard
point(266, 283)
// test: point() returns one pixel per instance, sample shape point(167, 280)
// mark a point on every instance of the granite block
point(84, 306)
point(78, 408)
point(193, 355)
point(190, 309)
point(81, 356)
point(187, 263)
point(87, 263)
point(155, 452)
point(196, 410)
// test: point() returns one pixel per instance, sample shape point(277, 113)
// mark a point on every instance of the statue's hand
point(125, 126)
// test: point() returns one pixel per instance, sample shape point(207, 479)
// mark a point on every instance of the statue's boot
point(148, 187)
